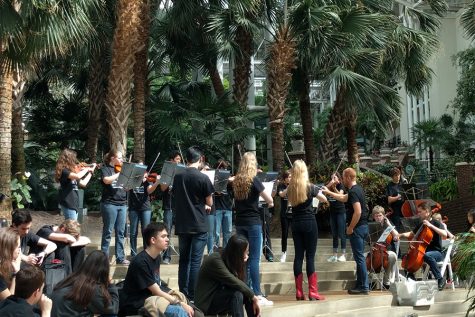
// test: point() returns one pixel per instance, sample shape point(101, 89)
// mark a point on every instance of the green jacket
point(213, 275)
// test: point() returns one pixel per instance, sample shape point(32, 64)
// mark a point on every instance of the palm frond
point(468, 19)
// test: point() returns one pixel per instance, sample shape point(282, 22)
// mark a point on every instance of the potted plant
point(296, 138)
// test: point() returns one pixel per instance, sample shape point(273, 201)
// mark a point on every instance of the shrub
point(375, 189)
point(444, 190)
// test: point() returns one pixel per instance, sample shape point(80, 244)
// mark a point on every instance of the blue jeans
point(192, 247)
point(175, 311)
point(338, 226)
point(135, 216)
point(224, 218)
point(431, 258)
point(357, 241)
point(113, 218)
point(253, 233)
point(168, 221)
point(210, 239)
point(69, 213)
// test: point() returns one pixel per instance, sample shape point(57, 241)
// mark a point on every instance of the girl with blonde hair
point(247, 188)
point(300, 194)
point(9, 260)
point(69, 174)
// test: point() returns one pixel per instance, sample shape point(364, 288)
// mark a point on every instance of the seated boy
point(143, 280)
point(433, 252)
point(28, 292)
point(69, 241)
point(390, 272)
point(39, 248)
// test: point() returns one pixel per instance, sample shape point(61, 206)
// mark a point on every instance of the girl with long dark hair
point(221, 286)
point(337, 219)
point(87, 291)
point(304, 228)
point(9, 260)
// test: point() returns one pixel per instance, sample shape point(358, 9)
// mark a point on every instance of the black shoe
point(357, 292)
point(270, 259)
point(441, 284)
point(386, 286)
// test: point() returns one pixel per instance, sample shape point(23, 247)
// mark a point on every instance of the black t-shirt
point(304, 211)
point(436, 242)
point(139, 200)
point(144, 271)
point(3, 284)
point(392, 190)
point(110, 193)
point(29, 240)
point(224, 200)
point(14, 306)
point(284, 202)
point(45, 232)
point(68, 191)
point(247, 210)
point(335, 205)
point(190, 189)
point(356, 194)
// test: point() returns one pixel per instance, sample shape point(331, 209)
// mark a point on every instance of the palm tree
point(468, 19)
point(429, 134)
point(30, 30)
point(124, 47)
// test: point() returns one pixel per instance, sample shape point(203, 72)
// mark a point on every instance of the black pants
point(266, 217)
point(305, 234)
point(228, 300)
point(285, 226)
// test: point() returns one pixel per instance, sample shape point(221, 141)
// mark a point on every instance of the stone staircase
point(334, 279)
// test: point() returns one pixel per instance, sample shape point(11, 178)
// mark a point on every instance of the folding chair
point(445, 264)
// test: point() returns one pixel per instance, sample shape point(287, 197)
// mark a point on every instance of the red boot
point(298, 287)
point(313, 288)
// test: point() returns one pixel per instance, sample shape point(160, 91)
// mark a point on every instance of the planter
point(297, 145)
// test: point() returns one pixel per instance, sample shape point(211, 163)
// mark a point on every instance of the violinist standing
point(389, 272)
point(70, 174)
point(433, 252)
point(140, 208)
point(113, 206)
point(285, 213)
point(357, 229)
point(394, 193)
point(337, 219)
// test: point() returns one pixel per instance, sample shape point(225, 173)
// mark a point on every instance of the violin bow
point(179, 149)
point(288, 158)
point(339, 164)
point(153, 164)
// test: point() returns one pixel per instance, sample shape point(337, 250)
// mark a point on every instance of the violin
point(82, 165)
point(118, 168)
point(414, 259)
point(152, 177)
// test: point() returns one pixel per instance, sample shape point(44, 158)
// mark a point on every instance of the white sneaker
point(342, 258)
point(333, 258)
point(264, 301)
point(283, 257)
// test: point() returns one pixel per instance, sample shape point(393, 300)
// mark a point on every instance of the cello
point(378, 257)
point(414, 259)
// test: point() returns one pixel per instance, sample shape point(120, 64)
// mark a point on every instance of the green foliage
point(464, 264)
point(444, 189)
point(384, 168)
point(374, 187)
point(20, 192)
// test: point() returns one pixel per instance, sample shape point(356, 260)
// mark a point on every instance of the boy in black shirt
point(395, 199)
point(433, 252)
point(28, 292)
point(143, 276)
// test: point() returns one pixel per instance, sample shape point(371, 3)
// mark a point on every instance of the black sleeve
point(45, 232)
point(143, 275)
point(3, 284)
point(208, 187)
point(258, 185)
point(353, 197)
point(96, 306)
point(32, 239)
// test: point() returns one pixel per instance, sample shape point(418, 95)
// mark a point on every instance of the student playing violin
point(390, 271)
point(69, 173)
point(433, 252)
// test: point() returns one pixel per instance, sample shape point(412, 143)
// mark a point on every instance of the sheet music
point(169, 171)
point(267, 189)
point(385, 234)
point(210, 174)
point(131, 175)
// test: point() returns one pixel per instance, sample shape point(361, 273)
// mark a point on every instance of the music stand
point(169, 171)
point(221, 180)
point(131, 175)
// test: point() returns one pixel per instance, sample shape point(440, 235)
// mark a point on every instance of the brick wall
point(456, 210)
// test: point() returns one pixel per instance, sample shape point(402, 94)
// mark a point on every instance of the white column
point(250, 142)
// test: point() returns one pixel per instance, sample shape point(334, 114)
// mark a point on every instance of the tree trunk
point(96, 96)
point(352, 146)
point(242, 68)
point(279, 75)
point(124, 46)
point(216, 79)
point(334, 127)
point(431, 159)
point(306, 119)
point(18, 151)
point(141, 83)
point(6, 101)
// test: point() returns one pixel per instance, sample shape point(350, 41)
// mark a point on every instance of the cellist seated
point(390, 270)
point(433, 251)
